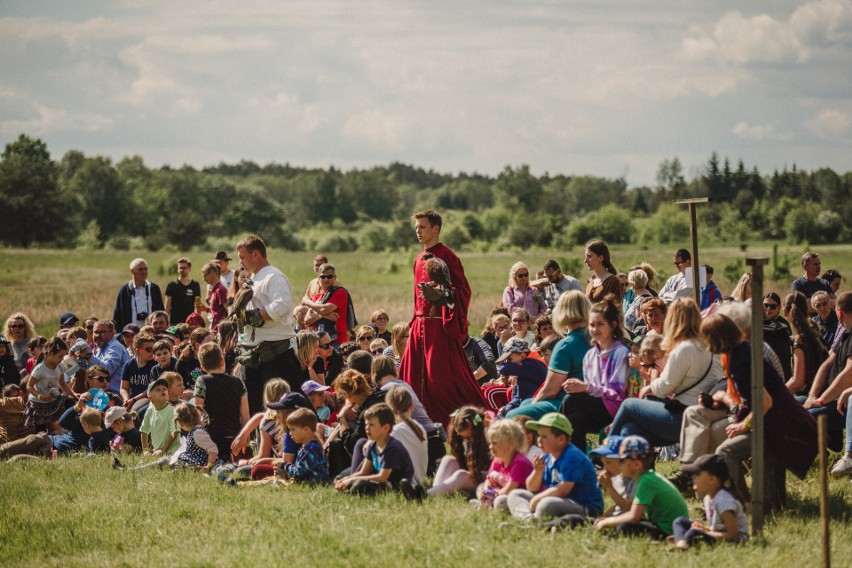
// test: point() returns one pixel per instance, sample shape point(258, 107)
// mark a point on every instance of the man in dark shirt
point(810, 282)
point(181, 293)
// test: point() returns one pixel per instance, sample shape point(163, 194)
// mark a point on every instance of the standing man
point(556, 283)
point(677, 282)
point(330, 306)
point(810, 283)
point(315, 285)
point(267, 348)
point(434, 363)
point(138, 298)
point(181, 293)
point(226, 275)
point(109, 353)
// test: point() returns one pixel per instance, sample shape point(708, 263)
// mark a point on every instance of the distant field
point(45, 283)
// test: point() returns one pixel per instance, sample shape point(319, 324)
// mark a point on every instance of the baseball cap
point(634, 447)
point(222, 255)
point(158, 382)
point(309, 387)
point(514, 345)
point(609, 448)
point(555, 420)
point(175, 330)
point(3, 340)
point(113, 414)
point(67, 318)
point(131, 328)
point(713, 464)
point(291, 401)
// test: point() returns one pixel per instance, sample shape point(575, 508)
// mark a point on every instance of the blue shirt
point(567, 357)
point(310, 465)
point(113, 357)
point(572, 465)
point(75, 437)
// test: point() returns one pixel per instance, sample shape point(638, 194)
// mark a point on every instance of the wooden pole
point(696, 266)
point(823, 492)
point(758, 466)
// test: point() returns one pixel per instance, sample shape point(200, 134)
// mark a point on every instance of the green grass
point(78, 511)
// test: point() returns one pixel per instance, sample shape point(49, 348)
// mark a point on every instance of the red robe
point(434, 363)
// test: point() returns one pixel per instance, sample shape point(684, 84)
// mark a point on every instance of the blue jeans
point(649, 419)
point(536, 410)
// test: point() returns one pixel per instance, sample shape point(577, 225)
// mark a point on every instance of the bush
point(373, 238)
point(337, 243)
point(118, 242)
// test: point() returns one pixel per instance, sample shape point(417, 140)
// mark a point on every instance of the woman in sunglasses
point(19, 330)
point(519, 293)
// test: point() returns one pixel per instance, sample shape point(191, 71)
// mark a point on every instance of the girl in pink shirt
point(509, 468)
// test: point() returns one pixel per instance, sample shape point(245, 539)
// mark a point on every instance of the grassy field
point(78, 511)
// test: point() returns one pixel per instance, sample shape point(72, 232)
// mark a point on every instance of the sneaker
point(683, 482)
point(842, 468)
point(117, 464)
point(412, 490)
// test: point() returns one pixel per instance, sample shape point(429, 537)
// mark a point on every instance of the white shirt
point(140, 301)
point(227, 278)
point(417, 450)
point(673, 284)
point(272, 293)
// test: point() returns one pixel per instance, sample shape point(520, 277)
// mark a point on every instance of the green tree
point(102, 195)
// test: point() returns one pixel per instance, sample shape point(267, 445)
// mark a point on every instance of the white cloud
point(53, 120)
point(759, 132)
point(830, 124)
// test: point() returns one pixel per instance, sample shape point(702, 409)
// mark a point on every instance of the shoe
point(412, 490)
point(842, 468)
point(683, 482)
point(117, 464)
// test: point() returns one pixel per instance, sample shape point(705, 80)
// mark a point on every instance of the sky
point(608, 88)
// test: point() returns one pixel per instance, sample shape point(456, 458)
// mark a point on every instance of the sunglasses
point(326, 276)
point(678, 263)
point(90, 327)
point(524, 275)
point(366, 338)
point(101, 379)
point(770, 306)
point(377, 351)
point(325, 345)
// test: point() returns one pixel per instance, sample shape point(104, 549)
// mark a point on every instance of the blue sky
point(602, 88)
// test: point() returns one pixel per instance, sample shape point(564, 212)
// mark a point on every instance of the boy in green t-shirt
point(158, 427)
point(657, 502)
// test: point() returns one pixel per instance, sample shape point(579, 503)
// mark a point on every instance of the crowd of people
point(568, 395)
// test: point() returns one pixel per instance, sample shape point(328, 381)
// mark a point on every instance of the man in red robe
point(434, 363)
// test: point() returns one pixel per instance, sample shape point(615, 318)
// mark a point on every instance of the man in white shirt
point(269, 335)
point(682, 261)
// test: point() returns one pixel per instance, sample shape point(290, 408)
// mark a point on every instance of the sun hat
point(554, 420)
point(291, 401)
point(309, 387)
point(222, 255)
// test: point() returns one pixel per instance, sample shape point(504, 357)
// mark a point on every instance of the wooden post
point(823, 492)
point(693, 233)
point(758, 466)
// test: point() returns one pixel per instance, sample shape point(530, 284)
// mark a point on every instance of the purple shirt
point(606, 374)
point(516, 298)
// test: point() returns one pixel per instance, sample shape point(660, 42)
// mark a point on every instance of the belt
point(429, 317)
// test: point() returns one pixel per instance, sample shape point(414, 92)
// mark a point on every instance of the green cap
point(555, 420)
point(156, 383)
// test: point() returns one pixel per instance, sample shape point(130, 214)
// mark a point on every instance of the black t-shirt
point(190, 370)
point(809, 288)
point(395, 458)
point(138, 377)
point(222, 396)
point(183, 300)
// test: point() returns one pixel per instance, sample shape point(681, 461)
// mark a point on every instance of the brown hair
point(430, 215)
point(381, 412)
point(720, 333)
point(253, 243)
point(382, 367)
point(210, 356)
point(188, 414)
point(400, 400)
point(91, 417)
point(141, 340)
point(611, 313)
point(600, 249)
point(302, 418)
point(351, 382)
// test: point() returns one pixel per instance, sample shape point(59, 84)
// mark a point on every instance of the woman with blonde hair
point(345, 451)
point(18, 329)
point(570, 319)
point(742, 291)
point(399, 338)
point(307, 352)
point(519, 293)
point(380, 319)
point(691, 369)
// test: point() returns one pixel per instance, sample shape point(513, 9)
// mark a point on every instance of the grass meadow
point(78, 511)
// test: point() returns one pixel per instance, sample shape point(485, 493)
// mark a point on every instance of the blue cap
point(609, 448)
point(635, 447)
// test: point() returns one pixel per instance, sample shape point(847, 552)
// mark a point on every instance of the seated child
point(310, 465)
point(386, 463)
point(138, 373)
point(316, 394)
point(530, 372)
point(201, 452)
point(509, 468)
point(159, 433)
point(223, 397)
point(561, 483)
point(726, 518)
point(410, 433)
point(126, 437)
point(657, 502)
point(531, 449)
point(620, 489)
point(99, 439)
point(468, 462)
point(163, 356)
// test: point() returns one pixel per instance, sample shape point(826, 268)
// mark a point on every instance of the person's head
point(119, 419)
point(637, 456)
point(682, 259)
point(68, 320)
point(315, 393)
point(129, 332)
point(380, 319)
point(607, 454)
point(353, 385)
point(542, 327)
point(18, 327)
point(143, 347)
point(552, 271)
point(597, 257)
point(183, 268)
point(683, 322)
point(649, 272)
point(302, 425)
point(739, 313)
point(364, 335)
point(319, 260)
point(515, 351)
point(795, 308)
point(505, 438)
point(554, 432)
point(812, 265)
point(833, 278)
point(383, 369)
point(35, 346)
point(274, 389)
point(399, 400)
point(501, 323)
point(139, 271)
point(709, 474)
point(378, 421)
point(187, 416)
point(821, 303)
point(307, 348)
point(163, 352)
point(399, 338)
point(90, 420)
point(74, 334)
point(222, 260)
point(467, 424)
point(378, 346)
point(211, 358)
point(519, 276)
point(571, 311)
point(427, 226)
point(708, 270)
point(158, 392)
point(520, 321)
point(175, 381)
point(742, 291)
point(211, 272)
point(546, 347)
point(530, 438)
point(97, 377)
point(466, 421)
point(622, 278)
point(361, 361)
point(651, 348)
point(605, 322)
point(844, 309)
point(252, 253)
point(195, 321)
point(11, 390)
point(720, 333)
point(637, 279)
point(197, 338)
point(771, 305)
point(327, 276)
point(54, 351)
point(654, 313)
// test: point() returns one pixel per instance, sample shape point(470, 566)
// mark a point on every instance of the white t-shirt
point(724, 501)
point(47, 380)
point(272, 293)
point(417, 450)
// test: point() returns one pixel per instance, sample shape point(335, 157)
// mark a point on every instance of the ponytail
point(53, 346)
point(400, 401)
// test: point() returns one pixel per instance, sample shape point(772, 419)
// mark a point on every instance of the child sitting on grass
point(465, 468)
point(201, 452)
point(126, 438)
point(99, 439)
point(726, 518)
point(509, 468)
point(410, 433)
point(386, 463)
point(529, 372)
point(561, 483)
point(657, 502)
point(310, 465)
point(531, 449)
point(159, 434)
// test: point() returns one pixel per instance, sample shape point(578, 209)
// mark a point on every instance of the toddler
point(122, 423)
point(46, 387)
point(159, 433)
point(509, 468)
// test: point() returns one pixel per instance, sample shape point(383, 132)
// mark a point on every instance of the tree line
point(89, 202)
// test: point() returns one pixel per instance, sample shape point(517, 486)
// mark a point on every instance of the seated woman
point(364, 336)
point(520, 328)
point(570, 318)
point(653, 315)
point(808, 350)
point(519, 293)
point(593, 401)
point(690, 369)
point(399, 339)
point(603, 280)
point(742, 291)
point(833, 278)
point(489, 334)
point(345, 443)
point(776, 331)
point(329, 363)
point(380, 320)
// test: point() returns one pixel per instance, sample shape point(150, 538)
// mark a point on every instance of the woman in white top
point(690, 369)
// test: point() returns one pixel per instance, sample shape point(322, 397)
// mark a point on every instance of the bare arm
point(634, 515)
point(839, 384)
point(797, 381)
point(820, 380)
point(551, 387)
point(244, 410)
